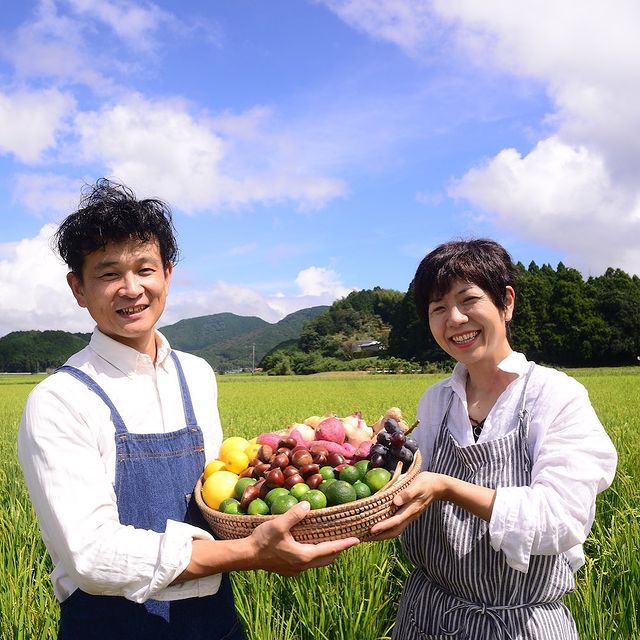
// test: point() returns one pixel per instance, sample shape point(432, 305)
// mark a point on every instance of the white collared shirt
point(67, 451)
point(573, 459)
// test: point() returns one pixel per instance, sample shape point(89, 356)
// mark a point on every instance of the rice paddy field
point(355, 598)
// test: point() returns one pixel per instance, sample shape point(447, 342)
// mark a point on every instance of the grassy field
point(356, 598)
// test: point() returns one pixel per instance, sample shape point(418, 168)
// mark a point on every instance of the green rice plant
point(357, 596)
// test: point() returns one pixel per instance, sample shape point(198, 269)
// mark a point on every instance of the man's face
point(124, 287)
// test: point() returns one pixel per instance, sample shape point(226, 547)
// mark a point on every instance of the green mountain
point(38, 350)
point(227, 341)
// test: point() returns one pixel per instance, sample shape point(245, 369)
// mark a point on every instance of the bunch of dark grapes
point(392, 446)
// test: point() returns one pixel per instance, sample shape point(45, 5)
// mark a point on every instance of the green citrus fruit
point(225, 503)
point(315, 498)
point(377, 478)
point(298, 490)
point(340, 492)
point(283, 503)
point(363, 466)
point(234, 509)
point(327, 472)
point(325, 485)
point(258, 507)
point(275, 493)
point(241, 485)
point(350, 474)
point(362, 490)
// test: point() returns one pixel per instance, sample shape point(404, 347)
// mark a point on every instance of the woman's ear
point(509, 303)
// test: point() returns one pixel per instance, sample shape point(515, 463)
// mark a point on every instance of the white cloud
point(146, 144)
point(31, 121)
point(317, 281)
point(561, 196)
point(587, 56)
point(33, 289)
point(132, 22)
point(47, 194)
point(405, 23)
point(34, 293)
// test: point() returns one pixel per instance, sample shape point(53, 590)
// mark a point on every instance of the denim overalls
point(155, 476)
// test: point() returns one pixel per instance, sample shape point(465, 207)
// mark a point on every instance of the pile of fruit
point(325, 461)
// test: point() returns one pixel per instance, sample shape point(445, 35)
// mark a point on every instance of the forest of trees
point(560, 319)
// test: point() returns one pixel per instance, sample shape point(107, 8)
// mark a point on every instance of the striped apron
point(462, 588)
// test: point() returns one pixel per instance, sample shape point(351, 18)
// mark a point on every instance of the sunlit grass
point(355, 598)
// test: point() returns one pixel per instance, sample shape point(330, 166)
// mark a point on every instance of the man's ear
point(77, 288)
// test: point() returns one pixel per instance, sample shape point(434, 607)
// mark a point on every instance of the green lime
point(241, 485)
point(340, 492)
point(283, 503)
point(298, 490)
point(315, 498)
point(258, 507)
point(225, 503)
point(324, 485)
point(363, 466)
point(234, 509)
point(327, 472)
point(350, 474)
point(362, 490)
point(275, 493)
point(377, 478)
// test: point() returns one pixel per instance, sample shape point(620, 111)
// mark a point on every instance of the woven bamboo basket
point(332, 523)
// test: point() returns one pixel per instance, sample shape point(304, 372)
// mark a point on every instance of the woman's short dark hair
point(110, 212)
point(482, 262)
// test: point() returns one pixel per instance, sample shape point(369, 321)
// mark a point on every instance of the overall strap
point(189, 413)
point(118, 422)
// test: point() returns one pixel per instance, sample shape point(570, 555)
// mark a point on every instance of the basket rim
point(395, 484)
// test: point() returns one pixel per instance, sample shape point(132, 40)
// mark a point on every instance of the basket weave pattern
point(331, 523)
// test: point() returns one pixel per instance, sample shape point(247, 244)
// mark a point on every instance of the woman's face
point(468, 326)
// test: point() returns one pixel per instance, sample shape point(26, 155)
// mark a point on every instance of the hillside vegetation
point(225, 340)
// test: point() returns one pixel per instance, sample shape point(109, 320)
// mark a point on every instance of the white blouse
point(573, 459)
point(67, 451)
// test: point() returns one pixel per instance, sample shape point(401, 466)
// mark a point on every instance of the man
point(113, 443)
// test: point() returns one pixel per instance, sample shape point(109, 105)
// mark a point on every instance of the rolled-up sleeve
point(573, 459)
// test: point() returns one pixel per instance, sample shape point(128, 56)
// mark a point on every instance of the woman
point(513, 458)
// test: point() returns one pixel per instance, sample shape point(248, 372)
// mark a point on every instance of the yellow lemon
point(252, 449)
point(212, 466)
point(218, 487)
point(236, 461)
point(232, 443)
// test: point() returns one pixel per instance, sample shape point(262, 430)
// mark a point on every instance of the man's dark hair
point(110, 212)
point(482, 262)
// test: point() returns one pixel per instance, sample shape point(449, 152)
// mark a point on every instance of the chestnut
point(301, 458)
point(281, 460)
point(265, 452)
point(314, 481)
point(319, 449)
point(289, 443)
point(341, 466)
point(290, 471)
point(250, 493)
point(294, 479)
point(320, 459)
point(263, 487)
point(309, 469)
point(334, 459)
point(247, 473)
point(260, 469)
point(275, 478)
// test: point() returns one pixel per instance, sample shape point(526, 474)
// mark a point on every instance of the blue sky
point(312, 147)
